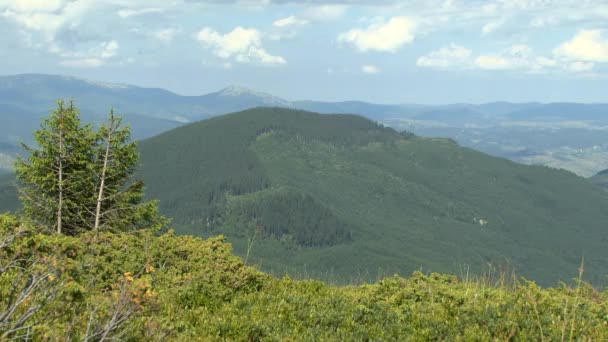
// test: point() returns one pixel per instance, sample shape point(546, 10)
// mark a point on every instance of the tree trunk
point(102, 180)
point(60, 204)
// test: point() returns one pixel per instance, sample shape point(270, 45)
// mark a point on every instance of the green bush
point(185, 288)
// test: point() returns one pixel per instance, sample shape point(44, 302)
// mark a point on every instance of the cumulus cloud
point(325, 12)
point(165, 35)
point(494, 62)
point(82, 62)
point(586, 46)
point(241, 44)
point(95, 56)
point(34, 5)
point(580, 66)
point(386, 37)
point(492, 26)
point(370, 69)
point(446, 57)
point(518, 57)
point(289, 21)
point(131, 12)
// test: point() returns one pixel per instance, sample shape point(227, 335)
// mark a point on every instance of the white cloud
point(388, 36)
point(325, 12)
point(241, 44)
point(586, 46)
point(494, 62)
point(515, 57)
point(519, 57)
point(370, 69)
point(131, 12)
point(492, 26)
point(289, 21)
point(446, 57)
point(580, 66)
point(542, 21)
point(43, 22)
point(108, 49)
point(45, 17)
point(165, 35)
point(34, 5)
point(83, 62)
point(94, 56)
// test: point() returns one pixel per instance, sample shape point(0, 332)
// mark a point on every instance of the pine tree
point(119, 202)
point(54, 178)
point(79, 179)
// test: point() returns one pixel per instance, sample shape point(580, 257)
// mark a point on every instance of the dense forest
point(341, 198)
point(601, 179)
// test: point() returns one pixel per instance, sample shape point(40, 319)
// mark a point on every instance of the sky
point(385, 51)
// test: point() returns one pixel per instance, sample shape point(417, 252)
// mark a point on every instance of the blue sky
point(434, 51)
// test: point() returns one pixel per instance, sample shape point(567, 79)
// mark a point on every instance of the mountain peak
point(237, 90)
point(265, 98)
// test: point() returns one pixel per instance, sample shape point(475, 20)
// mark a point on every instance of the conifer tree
point(118, 202)
point(78, 179)
point(54, 179)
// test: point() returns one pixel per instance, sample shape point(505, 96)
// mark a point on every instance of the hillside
point(601, 178)
point(140, 286)
point(340, 197)
point(8, 194)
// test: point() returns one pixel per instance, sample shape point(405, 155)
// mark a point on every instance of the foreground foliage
point(140, 286)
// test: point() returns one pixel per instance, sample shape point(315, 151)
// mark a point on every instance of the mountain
point(26, 98)
point(601, 178)
point(35, 94)
point(561, 135)
point(8, 194)
point(342, 197)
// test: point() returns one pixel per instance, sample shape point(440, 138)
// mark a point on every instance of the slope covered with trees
point(379, 202)
point(601, 178)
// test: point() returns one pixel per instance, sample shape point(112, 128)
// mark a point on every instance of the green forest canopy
point(379, 202)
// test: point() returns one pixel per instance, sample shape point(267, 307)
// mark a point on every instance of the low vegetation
point(142, 286)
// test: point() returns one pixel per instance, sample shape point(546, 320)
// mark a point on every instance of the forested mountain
point(601, 178)
point(343, 197)
point(8, 193)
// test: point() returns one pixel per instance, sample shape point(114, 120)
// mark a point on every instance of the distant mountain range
point(565, 135)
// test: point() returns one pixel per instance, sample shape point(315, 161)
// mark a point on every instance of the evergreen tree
point(54, 179)
point(78, 179)
point(118, 203)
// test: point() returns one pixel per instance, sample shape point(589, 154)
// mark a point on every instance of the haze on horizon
point(437, 51)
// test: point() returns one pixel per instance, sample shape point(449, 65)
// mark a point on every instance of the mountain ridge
point(531, 133)
point(398, 202)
